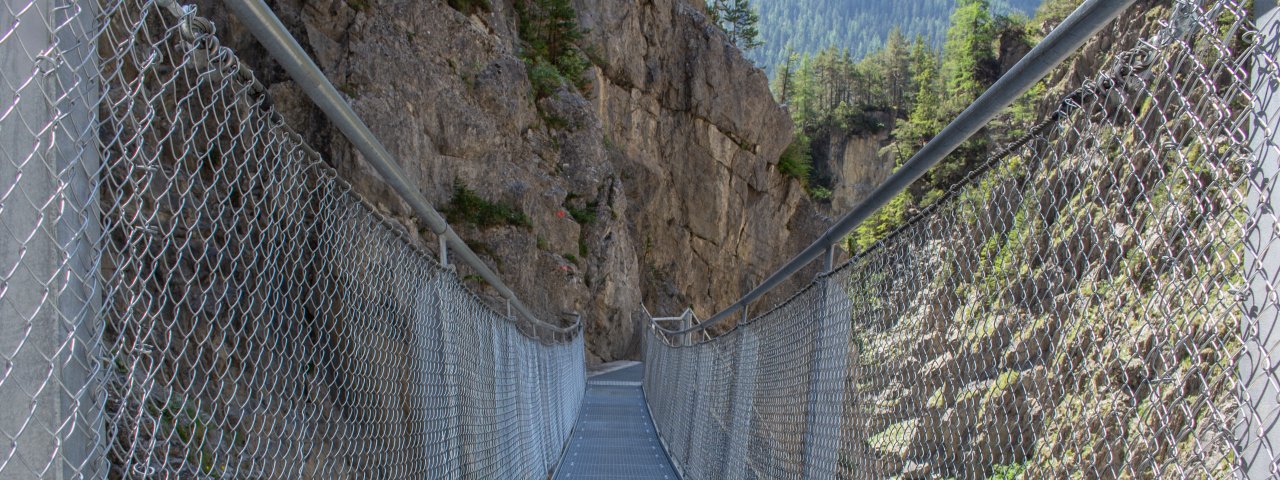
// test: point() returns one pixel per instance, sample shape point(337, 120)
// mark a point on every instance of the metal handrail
point(271, 33)
point(1064, 40)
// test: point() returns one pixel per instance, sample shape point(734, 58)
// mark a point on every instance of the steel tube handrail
point(1064, 40)
point(271, 33)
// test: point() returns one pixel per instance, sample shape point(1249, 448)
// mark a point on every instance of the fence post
point(1258, 435)
point(826, 384)
point(49, 286)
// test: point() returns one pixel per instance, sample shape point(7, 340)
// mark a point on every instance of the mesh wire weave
point(1099, 303)
point(187, 291)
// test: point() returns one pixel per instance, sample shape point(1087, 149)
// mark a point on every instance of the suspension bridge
point(187, 290)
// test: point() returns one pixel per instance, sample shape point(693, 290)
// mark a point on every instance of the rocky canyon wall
point(656, 185)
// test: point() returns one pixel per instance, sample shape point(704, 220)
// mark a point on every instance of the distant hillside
point(809, 26)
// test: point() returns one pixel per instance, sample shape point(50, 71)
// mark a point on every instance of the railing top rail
point(268, 30)
point(1064, 40)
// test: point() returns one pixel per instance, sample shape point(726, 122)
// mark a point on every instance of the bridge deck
point(614, 437)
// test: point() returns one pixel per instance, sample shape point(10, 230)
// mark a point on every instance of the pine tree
point(925, 119)
point(803, 111)
point(968, 53)
point(784, 81)
point(739, 20)
point(549, 29)
point(895, 64)
point(922, 57)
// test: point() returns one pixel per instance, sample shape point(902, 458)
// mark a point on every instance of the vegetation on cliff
point(1069, 311)
point(550, 34)
point(862, 27)
point(910, 89)
point(738, 20)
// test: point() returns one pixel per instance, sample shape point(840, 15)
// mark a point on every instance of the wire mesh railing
point(188, 291)
point(1099, 302)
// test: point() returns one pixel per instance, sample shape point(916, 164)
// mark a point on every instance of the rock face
point(1061, 332)
point(655, 186)
point(853, 164)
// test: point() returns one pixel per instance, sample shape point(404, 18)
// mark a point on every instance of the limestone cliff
point(851, 164)
point(656, 185)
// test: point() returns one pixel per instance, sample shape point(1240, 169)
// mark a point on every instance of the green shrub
point(544, 76)
point(882, 223)
point(549, 31)
point(1008, 472)
point(819, 192)
point(795, 161)
point(468, 207)
point(585, 215)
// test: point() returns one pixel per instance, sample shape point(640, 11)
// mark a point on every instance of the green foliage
point(468, 207)
point(583, 216)
point(968, 56)
point(545, 77)
point(739, 20)
point(914, 90)
point(471, 6)
point(832, 91)
point(882, 223)
point(1053, 12)
point(861, 26)
point(795, 161)
point(783, 83)
point(549, 31)
point(896, 438)
point(1008, 472)
point(581, 211)
point(819, 192)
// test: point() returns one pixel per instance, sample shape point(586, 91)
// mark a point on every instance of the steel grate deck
point(614, 437)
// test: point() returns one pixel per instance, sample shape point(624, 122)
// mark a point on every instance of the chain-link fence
point(187, 291)
point(1098, 303)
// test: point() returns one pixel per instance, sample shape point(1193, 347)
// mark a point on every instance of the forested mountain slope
point(807, 26)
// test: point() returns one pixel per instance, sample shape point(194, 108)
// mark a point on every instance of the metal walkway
point(614, 437)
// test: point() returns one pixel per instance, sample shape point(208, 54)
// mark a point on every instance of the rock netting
point(1070, 313)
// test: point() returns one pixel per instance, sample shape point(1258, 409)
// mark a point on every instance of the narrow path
point(614, 437)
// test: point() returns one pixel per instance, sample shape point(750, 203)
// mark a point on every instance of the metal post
point(686, 324)
point(49, 287)
point(444, 252)
point(826, 384)
point(1259, 434)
